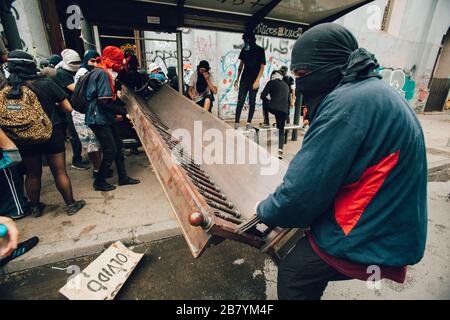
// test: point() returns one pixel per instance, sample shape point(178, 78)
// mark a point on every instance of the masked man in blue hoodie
point(359, 183)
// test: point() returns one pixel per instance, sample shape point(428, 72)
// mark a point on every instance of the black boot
point(102, 185)
point(123, 181)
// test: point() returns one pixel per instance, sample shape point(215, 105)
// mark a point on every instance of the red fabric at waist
point(357, 270)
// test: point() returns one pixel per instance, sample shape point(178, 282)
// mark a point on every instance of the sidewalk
point(141, 213)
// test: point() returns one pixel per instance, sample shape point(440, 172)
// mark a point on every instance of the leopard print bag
point(24, 120)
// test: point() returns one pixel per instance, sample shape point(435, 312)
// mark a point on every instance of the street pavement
point(141, 216)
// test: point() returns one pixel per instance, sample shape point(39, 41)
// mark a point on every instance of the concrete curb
point(49, 253)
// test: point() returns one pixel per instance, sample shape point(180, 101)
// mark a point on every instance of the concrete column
point(10, 25)
point(180, 61)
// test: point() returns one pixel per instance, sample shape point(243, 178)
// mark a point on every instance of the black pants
point(74, 139)
point(111, 144)
point(280, 118)
point(245, 88)
point(303, 275)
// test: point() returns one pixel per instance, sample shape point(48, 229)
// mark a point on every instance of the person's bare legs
point(207, 104)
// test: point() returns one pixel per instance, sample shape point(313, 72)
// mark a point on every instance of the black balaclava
point(171, 72)
point(22, 67)
point(330, 53)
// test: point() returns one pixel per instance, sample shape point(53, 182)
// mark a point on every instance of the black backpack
point(79, 100)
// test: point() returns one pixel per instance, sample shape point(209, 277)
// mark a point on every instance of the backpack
point(79, 100)
point(24, 120)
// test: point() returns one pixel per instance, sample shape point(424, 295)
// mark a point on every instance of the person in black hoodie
point(275, 97)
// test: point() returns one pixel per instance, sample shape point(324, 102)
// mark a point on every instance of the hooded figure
point(111, 61)
point(71, 60)
point(54, 60)
point(327, 56)
point(89, 55)
point(130, 75)
point(359, 182)
point(22, 68)
point(173, 77)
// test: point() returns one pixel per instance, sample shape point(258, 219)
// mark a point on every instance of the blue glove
point(10, 158)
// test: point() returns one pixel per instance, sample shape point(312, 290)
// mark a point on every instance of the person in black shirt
point(275, 97)
point(130, 75)
point(65, 78)
point(252, 60)
point(173, 77)
point(24, 72)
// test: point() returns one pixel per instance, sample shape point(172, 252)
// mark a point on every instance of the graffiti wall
point(221, 50)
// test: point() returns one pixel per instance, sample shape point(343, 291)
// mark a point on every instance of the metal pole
point(298, 108)
point(10, 25)
point(97, 39)
point(180, 61)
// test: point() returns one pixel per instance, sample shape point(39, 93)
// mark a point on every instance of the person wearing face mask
point(52, 98)
point(87, 137)
point(130, 75)
point(65, 78)
point(275, 97)
point(252, 61)
point(201, 86)
point(359, 182)
point(100, 117)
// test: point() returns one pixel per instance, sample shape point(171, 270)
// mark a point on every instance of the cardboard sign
point(104, 277)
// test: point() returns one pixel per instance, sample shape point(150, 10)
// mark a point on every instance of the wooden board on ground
point(104, 277)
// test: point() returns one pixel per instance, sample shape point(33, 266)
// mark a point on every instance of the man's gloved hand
point(10, 158)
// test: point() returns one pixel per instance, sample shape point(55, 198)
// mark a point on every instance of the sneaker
point(75, 207)
point(280, 154)
point(80, 165)
point(37, 211)
point(248, 126)
point(128, 181)
point(22, 248)
point(236, 126)
point(103, 186)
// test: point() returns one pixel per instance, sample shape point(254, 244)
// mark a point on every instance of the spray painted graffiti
point(228, 74)
point(167, 58)
point(395, 78)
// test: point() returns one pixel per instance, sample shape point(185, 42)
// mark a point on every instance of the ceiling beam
point(261, 14)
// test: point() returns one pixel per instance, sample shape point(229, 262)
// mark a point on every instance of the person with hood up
point(275, 97)
point(359, 182)
point(172, 76)
point(100, 117)
point(65, 78)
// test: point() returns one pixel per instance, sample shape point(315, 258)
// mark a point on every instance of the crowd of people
point(358, 186)
point(37, 116)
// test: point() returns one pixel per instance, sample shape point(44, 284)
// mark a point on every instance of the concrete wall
point(412, 39)
point(222, 50)
point(31, 27)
